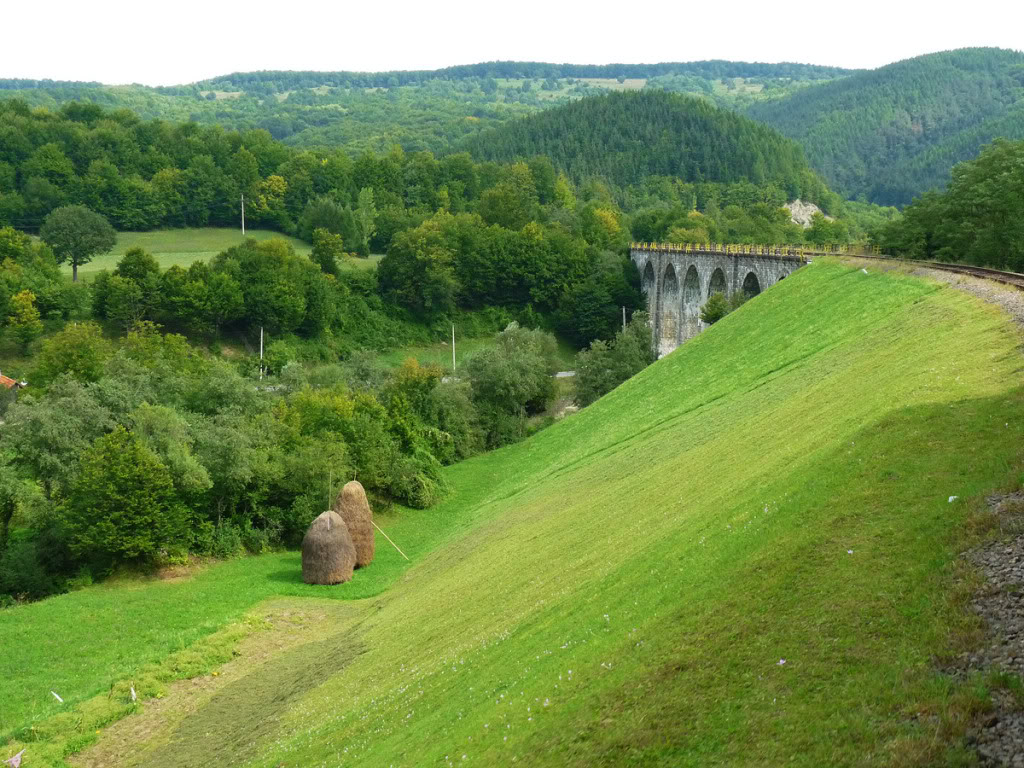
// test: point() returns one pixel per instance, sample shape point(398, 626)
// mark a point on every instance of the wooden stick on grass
point(389, 539)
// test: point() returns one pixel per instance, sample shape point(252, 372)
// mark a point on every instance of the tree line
point(976, 220)
point(430, 110)
point(717, 69)
point(572, 258)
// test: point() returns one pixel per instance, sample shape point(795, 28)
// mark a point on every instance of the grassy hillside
point(741, 556)
point(892, 133)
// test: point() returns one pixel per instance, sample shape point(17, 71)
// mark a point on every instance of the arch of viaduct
point(678, 279)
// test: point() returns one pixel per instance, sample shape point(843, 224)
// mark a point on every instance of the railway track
point(788, 251)
point(1006, 278)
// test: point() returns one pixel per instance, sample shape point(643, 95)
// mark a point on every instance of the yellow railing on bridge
point(748, 249)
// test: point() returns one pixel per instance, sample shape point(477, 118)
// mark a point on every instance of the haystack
point(328, 555)
point(354, 509)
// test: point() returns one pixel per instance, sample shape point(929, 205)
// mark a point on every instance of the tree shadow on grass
point(287, 576)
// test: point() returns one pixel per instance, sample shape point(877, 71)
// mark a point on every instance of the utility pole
point(261, 353)
point(243, 215)
point(453, 349)
point(623, 318)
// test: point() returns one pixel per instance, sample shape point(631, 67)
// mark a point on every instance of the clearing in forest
point(183, 246)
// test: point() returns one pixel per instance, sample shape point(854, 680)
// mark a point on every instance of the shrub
point(24, 322)
point(122, 506)
point(417, 480)
point(737, 300)
point(605, 365)
point(223, 541)
point(79, 350)
point(75, 301)
point(23, 574)
point(714, 308)
point(227, 541)
point(452, 411)
point(511, 380)
point(256, 541)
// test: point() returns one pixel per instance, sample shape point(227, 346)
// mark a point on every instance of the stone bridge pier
point(678, 279)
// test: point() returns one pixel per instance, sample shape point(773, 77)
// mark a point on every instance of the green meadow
point(181, 247)
point(440, 353)
point(745, 555)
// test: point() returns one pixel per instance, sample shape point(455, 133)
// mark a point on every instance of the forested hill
point(624, 137)
point(429, 109)
point(892, 133)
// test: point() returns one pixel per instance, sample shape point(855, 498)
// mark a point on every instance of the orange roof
point(7, 381)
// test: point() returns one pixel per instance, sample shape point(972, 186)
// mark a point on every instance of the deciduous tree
point(24, 320)
point(714, 309)
point(79, 350)
point(366, 217)
point(122, 506)
point(76, 235)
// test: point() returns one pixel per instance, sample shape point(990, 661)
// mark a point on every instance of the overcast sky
point(168, 43)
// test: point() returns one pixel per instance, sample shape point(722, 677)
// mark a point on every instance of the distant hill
point(623, 137)
point(892, 133)
point(279, 80)
point(429, 109)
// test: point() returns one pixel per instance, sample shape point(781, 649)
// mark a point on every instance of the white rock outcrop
point(801, 212)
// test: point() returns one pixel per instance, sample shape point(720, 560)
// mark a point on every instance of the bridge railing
point(748, 249)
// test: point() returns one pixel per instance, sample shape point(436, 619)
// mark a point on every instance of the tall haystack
point(328, 555)
point(354, 509)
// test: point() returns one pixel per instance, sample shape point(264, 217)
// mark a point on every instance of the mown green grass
point(181, 247)
point(621, 588)
point(111, 631)
point(441, 353)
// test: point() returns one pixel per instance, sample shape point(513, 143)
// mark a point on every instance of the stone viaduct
point(678, 279)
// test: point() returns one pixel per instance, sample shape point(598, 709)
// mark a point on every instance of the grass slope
point(114, 630)
point(621, 588)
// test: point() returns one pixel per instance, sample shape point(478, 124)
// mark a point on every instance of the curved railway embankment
point(1014, 279)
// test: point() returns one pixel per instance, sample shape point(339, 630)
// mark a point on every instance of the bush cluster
point(976, 220)
point(605, 365)
point(144, 450)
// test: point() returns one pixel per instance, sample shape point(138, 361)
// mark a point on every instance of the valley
point(772, 518)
